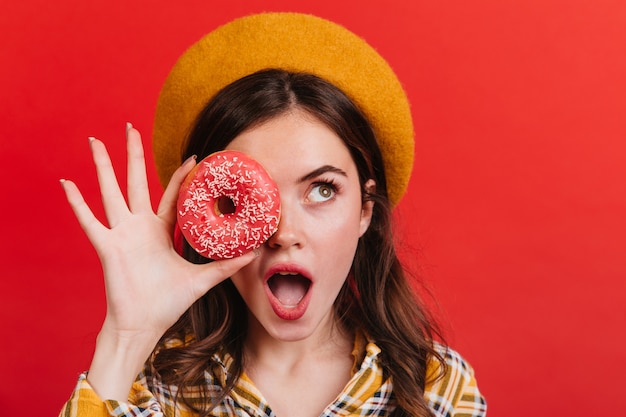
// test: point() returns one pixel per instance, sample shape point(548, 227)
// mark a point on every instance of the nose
point(289, 232)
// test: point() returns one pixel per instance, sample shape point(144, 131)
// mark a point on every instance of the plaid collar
point(366, 394)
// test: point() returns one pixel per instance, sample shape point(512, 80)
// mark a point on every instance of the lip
point(288, 312)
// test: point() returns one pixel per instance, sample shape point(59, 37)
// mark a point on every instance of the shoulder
point(452, 389)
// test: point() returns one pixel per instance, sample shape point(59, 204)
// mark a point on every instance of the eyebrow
point(321, 170)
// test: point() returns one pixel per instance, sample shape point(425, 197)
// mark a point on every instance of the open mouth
point(289, 288)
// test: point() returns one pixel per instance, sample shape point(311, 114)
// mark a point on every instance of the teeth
point(287, 273)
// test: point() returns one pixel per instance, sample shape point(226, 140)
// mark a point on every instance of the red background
point(516, 210)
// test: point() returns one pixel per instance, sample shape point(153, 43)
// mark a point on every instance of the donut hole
point(224, 205)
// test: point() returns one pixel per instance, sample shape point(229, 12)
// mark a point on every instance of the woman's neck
point(299, 377)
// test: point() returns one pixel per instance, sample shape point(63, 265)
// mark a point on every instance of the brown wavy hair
point(380, 301)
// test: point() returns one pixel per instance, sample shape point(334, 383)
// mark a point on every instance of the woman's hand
point(148, 285)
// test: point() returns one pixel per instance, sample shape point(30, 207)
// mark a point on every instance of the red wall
point(516, 210)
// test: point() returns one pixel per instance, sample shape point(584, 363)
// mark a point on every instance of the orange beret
point(293, 42)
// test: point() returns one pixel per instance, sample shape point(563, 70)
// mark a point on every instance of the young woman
point(320, 320)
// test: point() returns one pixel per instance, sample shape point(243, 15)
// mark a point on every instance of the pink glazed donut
point(228, 205)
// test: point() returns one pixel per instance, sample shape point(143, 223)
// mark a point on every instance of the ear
point(368, 207)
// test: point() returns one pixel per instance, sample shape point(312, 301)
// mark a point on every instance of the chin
point(298, 330)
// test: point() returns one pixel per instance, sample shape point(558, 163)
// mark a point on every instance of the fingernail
point(191, 158)
point(129, 126)
point(91, 139)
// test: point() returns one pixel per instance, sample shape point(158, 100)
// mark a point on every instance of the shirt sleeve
point(455, 393)
point(84, 402)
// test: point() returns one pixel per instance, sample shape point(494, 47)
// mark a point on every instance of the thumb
point(209, 275)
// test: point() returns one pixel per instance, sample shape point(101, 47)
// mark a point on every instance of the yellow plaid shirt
point(366, 394)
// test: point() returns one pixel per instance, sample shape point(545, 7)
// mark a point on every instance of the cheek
point(338, 239)
point(340, 226)
point(245, 283)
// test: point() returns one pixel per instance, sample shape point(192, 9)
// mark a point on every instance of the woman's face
point(290, 288)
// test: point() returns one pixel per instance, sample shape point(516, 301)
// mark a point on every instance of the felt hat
point(294, 42)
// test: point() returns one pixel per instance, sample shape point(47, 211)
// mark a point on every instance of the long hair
point(376, 299)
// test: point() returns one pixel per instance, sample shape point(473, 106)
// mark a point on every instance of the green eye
point(322, 192)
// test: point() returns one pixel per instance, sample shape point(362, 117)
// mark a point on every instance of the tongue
point(289, 289)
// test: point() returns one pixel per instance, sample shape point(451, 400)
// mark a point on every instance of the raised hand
point(148, 285)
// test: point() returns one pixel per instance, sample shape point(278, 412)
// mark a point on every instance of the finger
point(112, 198)
point(138, 192)
point(167, 205)
point(211, 274)
point(88, 222)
